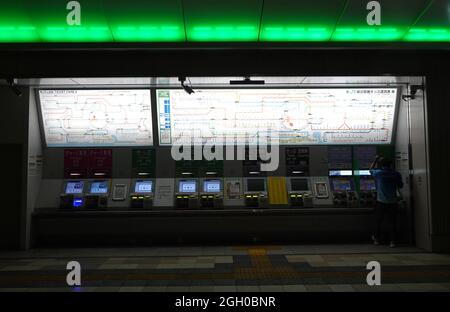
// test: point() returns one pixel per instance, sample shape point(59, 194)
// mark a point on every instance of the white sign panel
point(294, 116)
point(96, 117)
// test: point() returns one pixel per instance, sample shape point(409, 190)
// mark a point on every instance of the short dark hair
point(386, 163)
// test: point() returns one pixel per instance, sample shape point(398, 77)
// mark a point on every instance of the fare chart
point(316, 116)
point(96, 117)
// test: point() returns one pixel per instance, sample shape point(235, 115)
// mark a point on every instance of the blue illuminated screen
point(77, 202)
point(74, 187)
point(143, 187)
point(340, 173)
point(187, 186)
point(342, 185)
point(211, 186)
point(99, 187)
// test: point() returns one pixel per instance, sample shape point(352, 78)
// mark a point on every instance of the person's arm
point(373, 165)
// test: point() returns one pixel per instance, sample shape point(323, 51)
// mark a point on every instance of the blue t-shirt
point(388, 181)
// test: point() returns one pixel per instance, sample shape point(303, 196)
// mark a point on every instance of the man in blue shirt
point(388, 182)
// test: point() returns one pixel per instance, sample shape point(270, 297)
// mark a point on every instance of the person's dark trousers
point(385, 211)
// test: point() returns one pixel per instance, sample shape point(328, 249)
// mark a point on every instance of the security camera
point(186, 88)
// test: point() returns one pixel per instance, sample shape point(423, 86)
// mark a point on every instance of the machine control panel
point(141, 196)
point(72, 195)
point(299, 192)
point(186, 195)
point(98, 193)
point(343, 189)
point(211, 195)
point(367, 191)
point(255, 192)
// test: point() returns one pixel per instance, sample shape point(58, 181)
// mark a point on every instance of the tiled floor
point(337, 268)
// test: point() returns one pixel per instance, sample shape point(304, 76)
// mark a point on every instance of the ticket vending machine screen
point(143, 187)
point(255, 185)
point(367, 185)
point(299, 185)
point(74, 187)
point(187, 186)
point(99, 187)
point(342, 185)
point(211, 186)
point(340, 173)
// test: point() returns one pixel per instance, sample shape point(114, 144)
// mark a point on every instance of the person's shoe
point(375, 241)
point(392, 245)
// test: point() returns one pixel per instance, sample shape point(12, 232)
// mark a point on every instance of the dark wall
point(232, 60)
point(438, 104)
point(13, 134)
point(10, 206)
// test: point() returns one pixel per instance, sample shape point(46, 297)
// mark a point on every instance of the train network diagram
point(96, 117)
point(292, 116)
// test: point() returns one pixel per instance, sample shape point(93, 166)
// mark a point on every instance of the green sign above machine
point(27, 21)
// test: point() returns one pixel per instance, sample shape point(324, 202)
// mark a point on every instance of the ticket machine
point(211, 195)
point(343, 189)
point(72, 196)
point(186, 195)
point(255, 192)
point(141, 195)
point(299, 192)
point(367, 189)
point(97, 194)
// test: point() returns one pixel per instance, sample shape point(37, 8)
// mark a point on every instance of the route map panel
point(294, 116)
point(96, 117)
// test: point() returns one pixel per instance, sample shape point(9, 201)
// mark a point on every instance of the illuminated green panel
point(367, 34)
point(15, 25)
point(431, 34)
point(24, 21)
point(287, 20)
point(433, 24)
point(396, 16)
point(232, 20)
point(223, 33)
point(146, 20)
point(278, 33)
point(50, 19)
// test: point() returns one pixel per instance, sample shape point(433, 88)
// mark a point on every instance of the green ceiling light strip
point(295, 33)
point(428, 34)
point(369, 33)
point(75, 34)
point(26, 21)
point(224, 33)
point(150, 33)
point(12, 33)
point(431, 34)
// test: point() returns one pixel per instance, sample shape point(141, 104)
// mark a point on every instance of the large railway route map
point(96, 117)
point(294, 116)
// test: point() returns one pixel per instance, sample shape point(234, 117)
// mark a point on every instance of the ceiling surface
point(186, 21)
